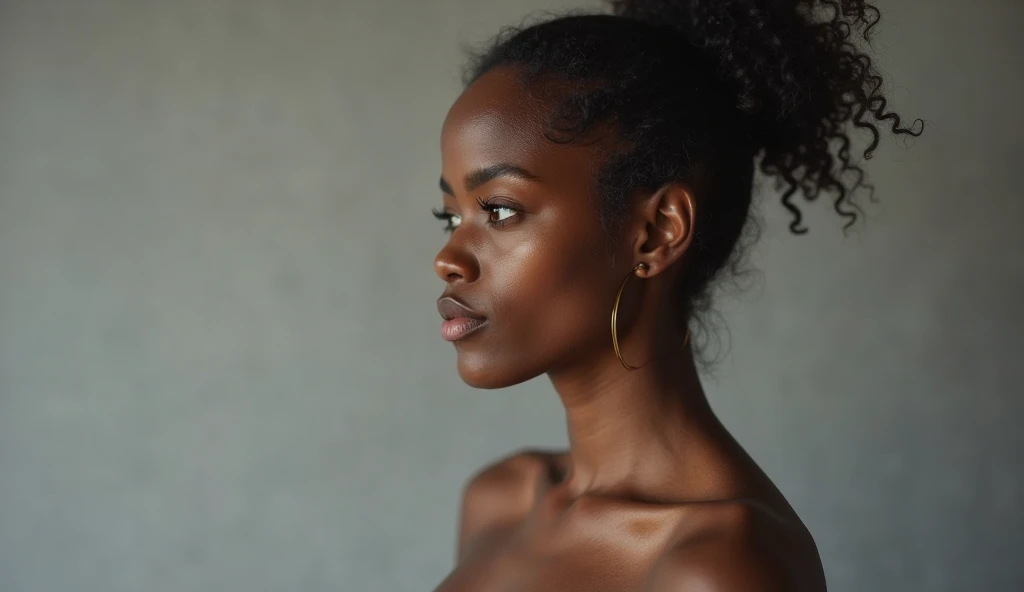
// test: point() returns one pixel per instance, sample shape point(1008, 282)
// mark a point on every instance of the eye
point(452, 220)
point(500, 213)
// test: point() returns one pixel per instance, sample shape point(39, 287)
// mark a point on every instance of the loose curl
point(697, 91)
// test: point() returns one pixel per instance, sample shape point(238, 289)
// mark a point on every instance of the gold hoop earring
point(615, 318)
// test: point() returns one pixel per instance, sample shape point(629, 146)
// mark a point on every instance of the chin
point(483, 371)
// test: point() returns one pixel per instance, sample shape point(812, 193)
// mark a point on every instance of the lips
point(459, 319)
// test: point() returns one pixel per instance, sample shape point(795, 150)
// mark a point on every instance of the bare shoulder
point(740, 547)
point(499, 495)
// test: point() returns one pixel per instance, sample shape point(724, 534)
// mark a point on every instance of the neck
point(633, 432)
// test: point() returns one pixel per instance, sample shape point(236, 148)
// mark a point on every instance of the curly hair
point(698, 91)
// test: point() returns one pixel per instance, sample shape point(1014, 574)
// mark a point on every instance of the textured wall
point(219, 362)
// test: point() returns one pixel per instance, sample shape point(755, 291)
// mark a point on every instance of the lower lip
point(459, 327)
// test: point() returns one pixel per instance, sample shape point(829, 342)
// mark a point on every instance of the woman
point(599, 168)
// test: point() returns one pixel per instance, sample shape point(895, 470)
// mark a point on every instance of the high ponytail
point(697, 91)
point(797, 75)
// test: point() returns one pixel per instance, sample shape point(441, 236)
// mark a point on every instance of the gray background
point(219, 360)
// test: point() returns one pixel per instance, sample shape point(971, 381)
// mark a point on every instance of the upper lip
point(451, 307)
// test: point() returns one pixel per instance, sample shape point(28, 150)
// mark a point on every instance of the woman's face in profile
point(526, 251)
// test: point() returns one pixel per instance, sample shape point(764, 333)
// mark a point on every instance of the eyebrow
point(477, 178)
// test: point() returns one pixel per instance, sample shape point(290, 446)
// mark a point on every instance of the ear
point(667, 217)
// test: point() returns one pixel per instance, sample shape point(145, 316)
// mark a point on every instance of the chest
point(594, 564)
point(507, 572)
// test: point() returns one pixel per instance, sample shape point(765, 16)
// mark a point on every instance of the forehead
point(497, 120)
point(496, 103)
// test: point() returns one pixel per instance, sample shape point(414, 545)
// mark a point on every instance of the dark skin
point(654, 494)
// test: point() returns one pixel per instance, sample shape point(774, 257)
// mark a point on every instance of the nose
point(454, 263)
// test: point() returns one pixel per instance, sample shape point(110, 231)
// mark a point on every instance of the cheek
point(550, 300)
point(554, 291)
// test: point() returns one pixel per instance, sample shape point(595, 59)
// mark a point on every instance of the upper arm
point(495, 498)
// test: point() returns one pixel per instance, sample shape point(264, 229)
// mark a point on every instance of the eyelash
point(445, 217)
point(491, 206)
point(485, 206)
